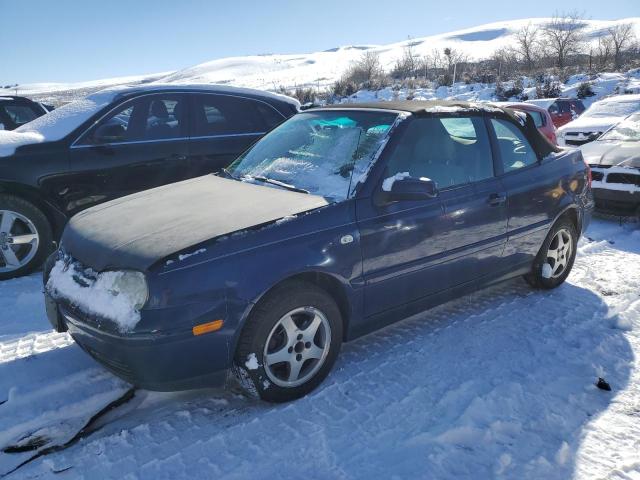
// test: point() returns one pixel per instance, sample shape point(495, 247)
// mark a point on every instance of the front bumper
point(153, 361)
point(616, 202)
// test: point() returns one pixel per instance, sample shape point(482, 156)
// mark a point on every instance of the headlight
point(131, 285)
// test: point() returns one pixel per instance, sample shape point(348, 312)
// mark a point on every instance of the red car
point(541, 117)
point(562, 110)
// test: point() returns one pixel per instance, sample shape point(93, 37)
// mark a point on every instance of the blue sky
point(74, 40)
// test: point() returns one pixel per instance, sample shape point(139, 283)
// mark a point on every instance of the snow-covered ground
point(499, 384)
point(318, 69)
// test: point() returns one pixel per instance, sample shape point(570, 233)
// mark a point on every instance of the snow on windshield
point(56, 124)
point(627, 130)
point(324, 153)
point(612, 109)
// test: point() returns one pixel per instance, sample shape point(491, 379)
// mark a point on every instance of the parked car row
point(339, 221)
point(16, 111)
point(599, 118)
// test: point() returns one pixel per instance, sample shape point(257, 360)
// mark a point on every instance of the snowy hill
point(320, 69)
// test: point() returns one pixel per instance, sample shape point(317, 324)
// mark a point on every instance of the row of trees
point(559, 47)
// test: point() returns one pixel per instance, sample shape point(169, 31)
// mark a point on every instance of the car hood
point(136, 231)
point(609, 154)
point(589, 124)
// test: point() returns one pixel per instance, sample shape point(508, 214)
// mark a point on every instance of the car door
point(140, 144)
point(413, 249)
point(533, 190)
point(223, 126)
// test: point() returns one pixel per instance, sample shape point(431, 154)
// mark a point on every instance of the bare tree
point(406, 66)
point(527, 46)
point(564, 36)
point(366, 70)
point(453, 58)
point(601, 53)
point(622, 36)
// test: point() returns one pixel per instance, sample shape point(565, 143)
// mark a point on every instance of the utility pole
point(455, 65)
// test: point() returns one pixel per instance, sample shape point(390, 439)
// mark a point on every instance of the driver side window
point(515, 150)
point(155, 117)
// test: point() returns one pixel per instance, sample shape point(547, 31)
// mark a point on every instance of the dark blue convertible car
point(339, 221)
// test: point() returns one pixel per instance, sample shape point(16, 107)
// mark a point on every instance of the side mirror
point(410, 188)
point(109, 133)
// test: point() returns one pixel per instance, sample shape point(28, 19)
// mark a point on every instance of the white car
point(598, 118)
point(614, 159)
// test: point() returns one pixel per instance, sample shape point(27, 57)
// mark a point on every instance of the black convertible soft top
point(454, 108)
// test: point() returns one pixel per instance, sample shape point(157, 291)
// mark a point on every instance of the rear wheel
point(290, 342)
point(555, 259)
point(25, 237)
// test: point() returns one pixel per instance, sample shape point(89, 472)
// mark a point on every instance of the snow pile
point(104, 295)
point(10, 140)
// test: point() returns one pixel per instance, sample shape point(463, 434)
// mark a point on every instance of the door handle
point(496, 199)
point(179, 156)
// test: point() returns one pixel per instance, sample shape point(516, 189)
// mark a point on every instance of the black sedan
point(113, 143)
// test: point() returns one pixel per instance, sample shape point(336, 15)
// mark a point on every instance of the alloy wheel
point(559, 252)
point(19, 240)
point(297, 347)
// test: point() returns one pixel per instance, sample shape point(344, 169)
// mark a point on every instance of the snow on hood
point(56, 124)
point(623, 154)
point(590, 124)
point(10, 140)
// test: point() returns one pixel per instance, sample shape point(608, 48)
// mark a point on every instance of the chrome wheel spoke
point(23, 239)
point(294, 370)
point(312, 329)
point(10, 258)
point(314, 352)
point(290, 327)
point(280, 356)
point(6, 224)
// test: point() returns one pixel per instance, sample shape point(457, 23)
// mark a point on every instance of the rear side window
point(449, 151)
point(515, 150)
point(20, 114)
point(227, 115)
point(538, 118)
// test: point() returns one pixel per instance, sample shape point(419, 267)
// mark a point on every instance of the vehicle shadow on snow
point(498, 383)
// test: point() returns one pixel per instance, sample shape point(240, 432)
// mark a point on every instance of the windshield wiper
point(277, 183)
point(228, 174)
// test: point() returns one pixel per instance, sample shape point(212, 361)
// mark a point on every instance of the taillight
point(589, 177)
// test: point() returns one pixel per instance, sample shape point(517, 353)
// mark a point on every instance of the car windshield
point(627, 130)
point(325, 153)
point(612, 109)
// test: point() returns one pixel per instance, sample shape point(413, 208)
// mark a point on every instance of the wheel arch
point(332, 285)
point(56, 219)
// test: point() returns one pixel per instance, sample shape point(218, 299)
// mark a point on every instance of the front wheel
point(556, 256)
point(289, 343)
point(25, 237)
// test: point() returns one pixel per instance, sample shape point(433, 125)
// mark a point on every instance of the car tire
point(289, 342)
point(555, 259)
point(22, 221)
